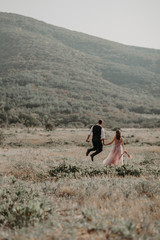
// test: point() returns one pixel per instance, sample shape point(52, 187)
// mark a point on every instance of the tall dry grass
point(81, 201)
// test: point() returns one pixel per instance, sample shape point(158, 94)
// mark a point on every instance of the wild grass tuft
point(20, 206)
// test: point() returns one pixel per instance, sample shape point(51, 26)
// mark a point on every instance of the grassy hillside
point(50, 74)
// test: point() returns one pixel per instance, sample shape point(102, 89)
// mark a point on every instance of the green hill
point(51, 74)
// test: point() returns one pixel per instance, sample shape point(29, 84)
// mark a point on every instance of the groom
point(97, 138)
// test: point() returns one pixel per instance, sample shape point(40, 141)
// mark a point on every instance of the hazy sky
point(131, 22)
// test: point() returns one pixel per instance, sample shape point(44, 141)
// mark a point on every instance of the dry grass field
point(51, 190)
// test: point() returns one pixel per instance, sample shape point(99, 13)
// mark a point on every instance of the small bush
point(125, 170)
point(20, 208)
point(1, 137)
point(146, 188)
point(49, 126)
point(64, 170)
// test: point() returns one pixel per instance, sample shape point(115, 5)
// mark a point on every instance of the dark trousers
point(97, 147)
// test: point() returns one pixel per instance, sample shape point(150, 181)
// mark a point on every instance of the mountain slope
point(53, 74)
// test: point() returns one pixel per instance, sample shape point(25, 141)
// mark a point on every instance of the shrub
point(28, 120)
point(64, 170)
point(125, 170)
point(20, 208)
point(49, 126)
point(1, 137)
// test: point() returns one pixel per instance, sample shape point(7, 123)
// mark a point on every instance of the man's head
point(100, 122)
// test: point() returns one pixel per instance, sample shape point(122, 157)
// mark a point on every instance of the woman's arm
point(124, 151)
point(122, 145)
point(110, 142)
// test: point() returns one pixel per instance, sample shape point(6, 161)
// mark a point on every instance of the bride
point(116, 155)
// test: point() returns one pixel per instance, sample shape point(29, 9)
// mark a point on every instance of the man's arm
point(87, 140)
point(102, 135)
point(103, 141)
point(90, 132)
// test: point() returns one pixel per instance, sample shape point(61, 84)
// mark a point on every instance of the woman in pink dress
point(116, 155)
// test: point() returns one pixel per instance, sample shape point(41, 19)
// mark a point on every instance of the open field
point(51, 190)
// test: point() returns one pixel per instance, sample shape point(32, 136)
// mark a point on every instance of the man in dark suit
point(98, 136)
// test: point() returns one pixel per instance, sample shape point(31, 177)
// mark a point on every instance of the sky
point(131, 22)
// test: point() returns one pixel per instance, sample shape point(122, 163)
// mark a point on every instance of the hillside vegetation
point(51, 74)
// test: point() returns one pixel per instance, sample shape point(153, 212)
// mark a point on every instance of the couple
point(116, 155)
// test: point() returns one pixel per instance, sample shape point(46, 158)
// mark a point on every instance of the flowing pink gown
point(115, 156)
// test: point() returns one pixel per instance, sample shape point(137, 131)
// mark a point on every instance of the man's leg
point(90, 150)
point(99, 149)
